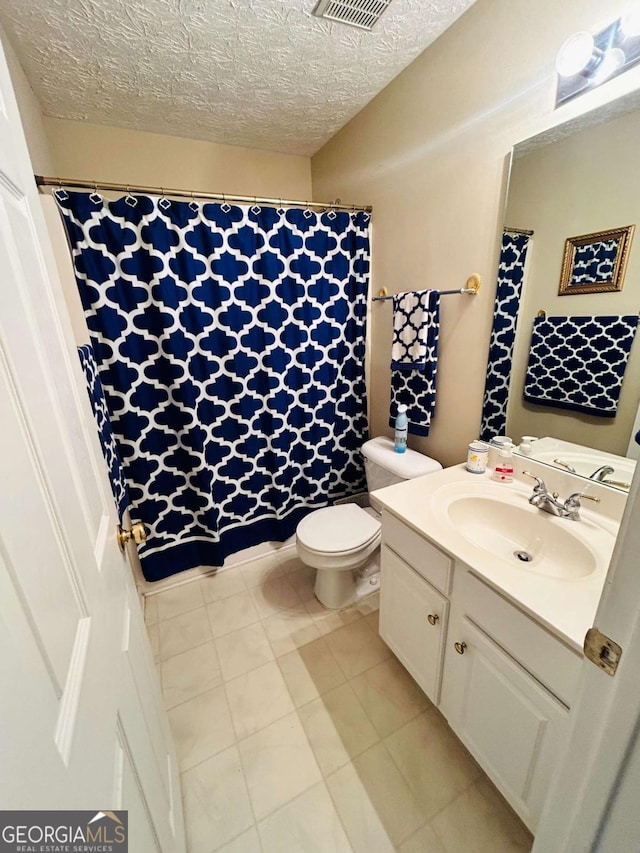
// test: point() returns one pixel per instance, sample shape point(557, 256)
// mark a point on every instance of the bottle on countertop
point(497, 442)
point(526, 445)
point(503, 472)
point(401, 427)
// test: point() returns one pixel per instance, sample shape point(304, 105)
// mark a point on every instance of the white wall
point(429, 153)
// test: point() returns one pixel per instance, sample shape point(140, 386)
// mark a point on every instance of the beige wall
point(588, 182)
point(102, 153)
point(429, 153)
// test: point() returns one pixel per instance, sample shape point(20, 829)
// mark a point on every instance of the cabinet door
point(406, 603)
point(511, 724)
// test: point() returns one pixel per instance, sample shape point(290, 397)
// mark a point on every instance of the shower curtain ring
point(60, 193)
point(129, 199)
point(224, 207)
point(95, 196)
point(256, 209)
point(164, 202)
point(306, 212)
point(280, 210)
point(193, 204)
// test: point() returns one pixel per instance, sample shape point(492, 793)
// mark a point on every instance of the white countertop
point(565, 606)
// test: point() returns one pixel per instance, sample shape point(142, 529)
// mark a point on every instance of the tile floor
point(298, 731)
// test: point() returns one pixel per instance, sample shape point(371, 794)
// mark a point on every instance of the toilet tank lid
point(406, 465)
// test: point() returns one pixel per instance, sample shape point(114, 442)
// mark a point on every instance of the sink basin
point(499, 522)
point(525, 538)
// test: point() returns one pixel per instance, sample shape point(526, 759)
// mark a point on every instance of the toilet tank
point(385, 467)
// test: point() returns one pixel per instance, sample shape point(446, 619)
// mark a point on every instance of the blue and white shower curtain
point(230, 343)
point(107, 440)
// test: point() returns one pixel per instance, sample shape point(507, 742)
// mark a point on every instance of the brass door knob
point(460, 647)
point(433, 619)
point(138, 533)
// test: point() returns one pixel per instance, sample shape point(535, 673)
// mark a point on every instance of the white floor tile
point(222, 585)
point(257, 699)
point(308, 824)
point(243, 650)
point(248, 842)
point(479, 821)
point(337, 727)
point(389, 696)
point(357, 648)
point(151, 609)
point(274, 595)
point(310, 671)
point(278, 765)
point(289, 630)
point(426, 841)
point(232, 613)
point(434, 763)
point(261, 571)
point(371, 788)
point(153, 632)
point(201, 727)
point(181, 633)
point(216, 802)
point(189, 674)
point(179, 600)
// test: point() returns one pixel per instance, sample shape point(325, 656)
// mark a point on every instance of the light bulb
point(575, 55)
point(612, 60)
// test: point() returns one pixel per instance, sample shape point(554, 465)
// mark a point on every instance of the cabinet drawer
point(425, 558)
point(541, 653)
point(413, 621)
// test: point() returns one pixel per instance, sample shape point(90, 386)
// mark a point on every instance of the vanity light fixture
point(585, 61)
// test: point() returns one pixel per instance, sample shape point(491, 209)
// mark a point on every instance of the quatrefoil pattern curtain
point(230, 344)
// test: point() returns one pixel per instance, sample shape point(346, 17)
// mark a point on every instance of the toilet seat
point(343, 529)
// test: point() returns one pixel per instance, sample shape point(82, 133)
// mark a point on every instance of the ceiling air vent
point(357, 13)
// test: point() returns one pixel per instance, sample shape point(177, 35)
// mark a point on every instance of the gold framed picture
point(595, 263)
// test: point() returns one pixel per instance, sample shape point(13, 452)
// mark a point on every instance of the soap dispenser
point(503, 472)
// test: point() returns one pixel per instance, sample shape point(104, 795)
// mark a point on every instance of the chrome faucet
point(566, 465)
point(600, 473)
point(570, 508)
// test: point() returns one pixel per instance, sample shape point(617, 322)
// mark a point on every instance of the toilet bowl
point(342, 542)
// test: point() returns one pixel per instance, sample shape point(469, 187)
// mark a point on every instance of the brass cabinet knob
point(138, 533)
point(460, 647)
point(433, 619)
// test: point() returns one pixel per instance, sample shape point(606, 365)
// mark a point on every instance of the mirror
point(578, 179)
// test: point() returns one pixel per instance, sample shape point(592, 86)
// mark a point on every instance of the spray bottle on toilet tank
point(401, 427)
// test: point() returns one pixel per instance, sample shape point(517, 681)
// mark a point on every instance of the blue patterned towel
point(412, 317)
point(578, 363)
point(416, 386)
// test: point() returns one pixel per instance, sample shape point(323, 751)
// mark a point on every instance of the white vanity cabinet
point(413, 621)
point(413, 612)
point(503, 681)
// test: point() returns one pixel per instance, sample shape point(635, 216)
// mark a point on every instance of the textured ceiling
point(260, 73)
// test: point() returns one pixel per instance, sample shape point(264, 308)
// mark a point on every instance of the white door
point(81, 723)
point(593, 805)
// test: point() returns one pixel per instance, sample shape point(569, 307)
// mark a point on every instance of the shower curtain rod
point(518, 231)
point(72, 183)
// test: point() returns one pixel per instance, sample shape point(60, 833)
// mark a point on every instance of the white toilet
point(342, 541)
